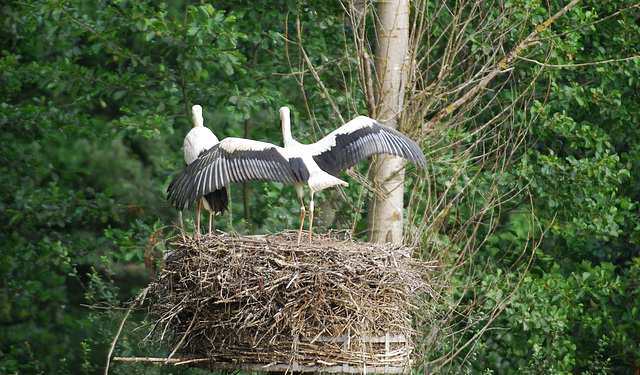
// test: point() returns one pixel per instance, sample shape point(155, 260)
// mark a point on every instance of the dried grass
point(264, 300)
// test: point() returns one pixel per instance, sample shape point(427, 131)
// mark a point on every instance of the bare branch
point(589, 24)
point(578, 65)
point(498, 68)
point(314, 73)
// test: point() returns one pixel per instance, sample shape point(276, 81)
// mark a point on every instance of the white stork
point(198, 140)
point(236, 160)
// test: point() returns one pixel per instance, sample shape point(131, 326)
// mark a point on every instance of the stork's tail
point(217, 201)
point(321, 180)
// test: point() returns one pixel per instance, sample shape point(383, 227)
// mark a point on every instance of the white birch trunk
point(385, 216)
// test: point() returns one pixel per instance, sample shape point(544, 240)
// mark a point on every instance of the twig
point(589, 24)
point(577, 65)
point(186, 332)
point(498, 68)
point(371, 102)
point(315, 75)
point(148, 359)
point(140, 297)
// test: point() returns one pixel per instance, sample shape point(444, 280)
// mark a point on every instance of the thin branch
point(371, 101)
point(185, 334)
point(149, 359)
point(315, 75)
point(589, 24)
point(505, 302)
point(139, 299)
point(498, 68)
point(578, 65)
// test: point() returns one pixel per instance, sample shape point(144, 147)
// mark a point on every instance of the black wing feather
point(352, 147)
point(218, 167)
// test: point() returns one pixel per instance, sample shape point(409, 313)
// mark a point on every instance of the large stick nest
point(265, 300)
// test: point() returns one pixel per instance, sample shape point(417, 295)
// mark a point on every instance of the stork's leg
point(210, 221)
point(181, 224)
point(302, 215)
point(198, 227)
point(311, 218)
point(300, 192)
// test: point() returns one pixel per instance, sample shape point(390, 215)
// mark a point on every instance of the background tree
point(480, 84)
point(385, 219)
point(521, 138)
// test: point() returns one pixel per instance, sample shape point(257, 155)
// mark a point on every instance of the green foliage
point(96, 99)
point(572, 177)
point(578, 321)
point(576, 311)
point(585, 136)
point(95, 104)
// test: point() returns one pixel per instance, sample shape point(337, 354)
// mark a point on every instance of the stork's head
point(196, 110)
point(285, 121)
point(285, 113)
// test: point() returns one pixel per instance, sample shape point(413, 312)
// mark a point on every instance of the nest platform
point(262, 303)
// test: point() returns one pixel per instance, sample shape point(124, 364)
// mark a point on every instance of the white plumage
point(198, 140)
point(236, 160)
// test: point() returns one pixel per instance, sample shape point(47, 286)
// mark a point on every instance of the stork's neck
point(196, 110)
point(285, 121)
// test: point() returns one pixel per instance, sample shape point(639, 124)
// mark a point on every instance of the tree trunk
point(385, 216)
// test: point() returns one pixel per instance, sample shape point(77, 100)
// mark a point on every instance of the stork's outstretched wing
point(359, 139)
point(233, 160)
